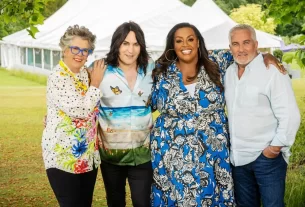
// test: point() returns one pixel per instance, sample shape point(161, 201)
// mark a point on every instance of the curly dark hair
point(118, 37)
point(203, 60)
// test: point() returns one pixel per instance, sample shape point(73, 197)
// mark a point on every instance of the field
point(23, 181)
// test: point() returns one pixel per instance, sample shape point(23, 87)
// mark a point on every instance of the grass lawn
point(23, 181)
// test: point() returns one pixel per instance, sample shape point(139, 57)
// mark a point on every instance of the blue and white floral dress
point(190, 141)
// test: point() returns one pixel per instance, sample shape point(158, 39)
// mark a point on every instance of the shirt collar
point(252, 64)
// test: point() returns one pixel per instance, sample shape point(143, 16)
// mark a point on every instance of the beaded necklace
point(79, 85)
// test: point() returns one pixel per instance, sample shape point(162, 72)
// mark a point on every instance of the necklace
point(79, 85)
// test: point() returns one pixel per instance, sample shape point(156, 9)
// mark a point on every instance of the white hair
point(242, 27)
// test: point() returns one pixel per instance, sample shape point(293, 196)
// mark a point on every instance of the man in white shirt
point(263, 121)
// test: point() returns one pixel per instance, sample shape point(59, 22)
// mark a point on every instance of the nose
point(241, 47)
point(130, 48)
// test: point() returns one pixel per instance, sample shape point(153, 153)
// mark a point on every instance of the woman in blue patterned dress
point(189, 141)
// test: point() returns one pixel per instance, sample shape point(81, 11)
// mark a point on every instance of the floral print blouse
point(70, 141)
point(190, 141)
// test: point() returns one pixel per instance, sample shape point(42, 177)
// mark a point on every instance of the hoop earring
point(167, 58)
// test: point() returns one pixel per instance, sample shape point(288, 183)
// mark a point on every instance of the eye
point(191, 39)
point(178, 41)
point(125, 43)
point(136, 44)
point(75, 49)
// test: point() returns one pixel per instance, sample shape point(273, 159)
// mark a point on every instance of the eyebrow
point(130, 42)
point(186, 37)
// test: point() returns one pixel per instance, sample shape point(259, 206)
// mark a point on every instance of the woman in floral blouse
point(189, 141)
point(69, 141)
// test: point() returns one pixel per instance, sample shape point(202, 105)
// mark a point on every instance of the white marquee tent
point(156, 18)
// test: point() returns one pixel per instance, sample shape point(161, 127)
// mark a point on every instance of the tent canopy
point(102, 17)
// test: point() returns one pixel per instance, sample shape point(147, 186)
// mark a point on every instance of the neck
point(187, 67)
point(126, 68)
point(73, 69)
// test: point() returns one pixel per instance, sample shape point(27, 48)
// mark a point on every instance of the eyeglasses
point(76, 50)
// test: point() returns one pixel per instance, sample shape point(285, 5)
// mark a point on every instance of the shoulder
point(150, 65)
point(57, 73)
point(276, 74)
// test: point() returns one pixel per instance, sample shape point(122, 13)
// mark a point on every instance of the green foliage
point(291, 29)
point(252, 14)
point(278, 54)
point(188, 2)
point(31, 10)
point(284, 11)
point(227, 6)
point(40, 79)
point(288, 57)
point(16, 15)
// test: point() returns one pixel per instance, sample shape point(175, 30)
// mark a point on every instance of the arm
point(153, 98)
point(223, 58)
point(69, 101)
point(286, 111)
point(270, 59)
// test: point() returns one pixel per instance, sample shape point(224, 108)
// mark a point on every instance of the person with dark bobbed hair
point(125, 118)
point(190, 139)
point(69, 140)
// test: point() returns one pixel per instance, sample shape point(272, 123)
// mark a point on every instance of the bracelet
point(273, 152)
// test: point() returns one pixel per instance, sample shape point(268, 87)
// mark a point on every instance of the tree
point(252, 14)
point(16, 15)
point(29, 10)
point(188, 2)
point(289, 10)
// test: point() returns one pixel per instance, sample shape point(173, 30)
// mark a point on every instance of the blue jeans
point(262, 180)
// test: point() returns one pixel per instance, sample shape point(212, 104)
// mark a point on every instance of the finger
point(94, 65)
point(99, 64)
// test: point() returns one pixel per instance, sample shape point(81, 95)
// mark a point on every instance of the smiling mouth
point(78, 60)
point(186, 52)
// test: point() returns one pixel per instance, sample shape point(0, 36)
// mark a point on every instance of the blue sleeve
point(155, 94)
point(223, 58)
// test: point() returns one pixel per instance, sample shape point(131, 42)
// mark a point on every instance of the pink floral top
point(69, 141)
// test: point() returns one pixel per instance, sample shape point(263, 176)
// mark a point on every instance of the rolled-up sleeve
point(285, 109)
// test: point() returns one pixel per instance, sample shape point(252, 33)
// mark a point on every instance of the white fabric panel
point(102, 17)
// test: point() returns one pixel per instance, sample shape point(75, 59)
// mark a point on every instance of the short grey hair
point(242, 27)
point(77, 31)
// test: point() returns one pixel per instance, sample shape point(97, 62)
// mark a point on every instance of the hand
point(97, 73)
point(44, 121)
point(271, 152)
point(270, 59)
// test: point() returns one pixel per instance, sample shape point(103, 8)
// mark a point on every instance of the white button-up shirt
point(262, 111)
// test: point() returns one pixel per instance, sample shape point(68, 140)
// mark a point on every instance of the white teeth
point(186, 52)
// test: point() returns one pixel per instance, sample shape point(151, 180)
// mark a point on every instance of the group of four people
point(103, 116)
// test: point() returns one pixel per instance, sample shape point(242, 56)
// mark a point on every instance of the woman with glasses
point(69, 141)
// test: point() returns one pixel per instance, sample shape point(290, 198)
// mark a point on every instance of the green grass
point(23, 180)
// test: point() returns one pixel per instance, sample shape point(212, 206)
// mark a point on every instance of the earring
point(167, 58)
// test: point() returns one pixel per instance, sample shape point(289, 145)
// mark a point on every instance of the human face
point(186, 45)
point(243, 47)
point(76, 61)
point(129, 50)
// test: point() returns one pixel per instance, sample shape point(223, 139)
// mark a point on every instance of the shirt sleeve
point(285, 110)
point(155, 93)
point(223, 58)
point(62, 94)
